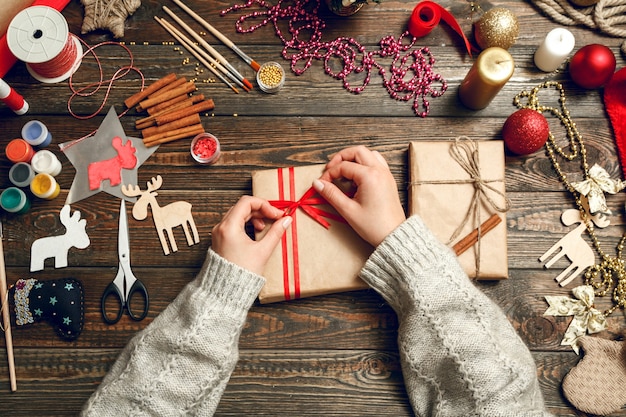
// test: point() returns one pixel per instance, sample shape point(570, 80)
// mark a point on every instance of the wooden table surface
point(327, 355)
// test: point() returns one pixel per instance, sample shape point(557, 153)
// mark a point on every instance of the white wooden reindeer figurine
point(573, 246)
point(165, 218)
point(57, 246)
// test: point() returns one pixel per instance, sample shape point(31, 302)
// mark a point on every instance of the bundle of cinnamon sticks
point(173, 110)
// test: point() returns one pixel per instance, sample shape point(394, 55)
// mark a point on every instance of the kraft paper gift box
point(311, 260)
point(441, 192)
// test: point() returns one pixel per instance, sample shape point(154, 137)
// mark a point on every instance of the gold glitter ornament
point(497, 27)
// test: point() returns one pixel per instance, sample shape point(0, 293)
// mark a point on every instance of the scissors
point(125, 284)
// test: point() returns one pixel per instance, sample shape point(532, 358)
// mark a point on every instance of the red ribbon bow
point(307, 203)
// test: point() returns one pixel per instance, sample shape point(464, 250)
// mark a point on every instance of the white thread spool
point(39, 34)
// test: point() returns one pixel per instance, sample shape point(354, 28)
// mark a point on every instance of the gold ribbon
point(587, 319)
point(595, 186)
point(464, 151)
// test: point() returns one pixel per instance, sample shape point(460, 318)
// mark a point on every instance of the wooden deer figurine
point(165, 218)
point(573, 246)
point(57, 246)
point(111, 169)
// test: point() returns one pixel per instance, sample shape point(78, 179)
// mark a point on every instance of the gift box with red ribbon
point(319, 253)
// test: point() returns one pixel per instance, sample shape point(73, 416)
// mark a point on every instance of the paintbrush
point(191, 47)
point(255, 66)
point(208, 47)
point(6, 318)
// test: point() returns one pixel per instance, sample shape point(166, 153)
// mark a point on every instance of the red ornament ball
point(592, 66)
point(525, 131)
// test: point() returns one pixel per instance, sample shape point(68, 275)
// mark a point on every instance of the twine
point(606, 15)
point(465, 152)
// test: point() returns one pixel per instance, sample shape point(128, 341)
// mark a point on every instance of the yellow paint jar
point(45, 186)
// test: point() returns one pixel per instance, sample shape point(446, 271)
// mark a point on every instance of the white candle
point(554, 49)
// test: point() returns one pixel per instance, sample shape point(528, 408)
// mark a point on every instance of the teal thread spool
point(14, 200)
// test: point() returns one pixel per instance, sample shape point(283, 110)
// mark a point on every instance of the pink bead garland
point(411, 75)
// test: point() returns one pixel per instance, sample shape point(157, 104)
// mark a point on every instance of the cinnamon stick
point(173, 135)
point(186, 88)
point(166, 104)
point(146, 122)
point(168, 127)
point(168, 87)
point(472, 238)
point(178, 114)
point(137, 97)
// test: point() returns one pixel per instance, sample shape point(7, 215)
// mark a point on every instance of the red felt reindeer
point(111, 169)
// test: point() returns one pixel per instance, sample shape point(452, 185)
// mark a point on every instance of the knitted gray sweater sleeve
point(181, 362)
point(460, 356)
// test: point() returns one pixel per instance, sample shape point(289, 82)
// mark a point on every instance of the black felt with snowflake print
point(58, 302)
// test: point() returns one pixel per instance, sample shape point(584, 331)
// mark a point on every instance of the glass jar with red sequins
point(205, 148)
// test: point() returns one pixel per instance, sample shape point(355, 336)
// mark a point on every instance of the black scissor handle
point(111, 290)
point(138, 287)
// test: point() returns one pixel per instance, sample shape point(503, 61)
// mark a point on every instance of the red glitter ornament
point(525, 131)
point(592, 66)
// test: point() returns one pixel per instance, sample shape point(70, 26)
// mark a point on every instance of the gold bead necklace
point(608, 276)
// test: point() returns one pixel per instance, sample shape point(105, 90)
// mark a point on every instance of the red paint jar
point(205, 148)
point(18, 150)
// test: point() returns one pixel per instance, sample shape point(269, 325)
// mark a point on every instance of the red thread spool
point(40, 37)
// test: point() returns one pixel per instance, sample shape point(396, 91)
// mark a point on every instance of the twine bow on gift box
point(587, 319)
point(464, 151)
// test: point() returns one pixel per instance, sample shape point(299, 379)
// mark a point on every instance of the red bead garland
point(411, 75)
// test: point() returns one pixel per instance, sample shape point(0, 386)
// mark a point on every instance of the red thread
point(14, 100)
point(60, 64)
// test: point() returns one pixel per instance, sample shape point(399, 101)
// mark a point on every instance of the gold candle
point(492, 69)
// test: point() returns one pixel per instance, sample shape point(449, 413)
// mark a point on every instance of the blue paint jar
point(36, 133)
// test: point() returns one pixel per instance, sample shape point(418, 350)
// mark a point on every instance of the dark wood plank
point(328, 355)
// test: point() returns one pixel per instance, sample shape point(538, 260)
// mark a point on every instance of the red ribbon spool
point(427, 15)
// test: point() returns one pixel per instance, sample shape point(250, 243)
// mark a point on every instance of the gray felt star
point(97, 148)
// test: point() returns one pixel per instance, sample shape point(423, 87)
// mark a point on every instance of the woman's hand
point(231, 241)
point(375, 210)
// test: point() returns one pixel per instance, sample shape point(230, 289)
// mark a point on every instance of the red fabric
point(615, 103)
point(6, 57)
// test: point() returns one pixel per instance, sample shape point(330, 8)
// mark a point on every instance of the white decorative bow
point(594, 187)
point(586, 318)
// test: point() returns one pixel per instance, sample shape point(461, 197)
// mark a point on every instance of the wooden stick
point(208, 47)
point(168, 127)
point(472, 238)
point(137, 97)
point(202, 56)
point(184, 132)
point(179, 114)
point(6, 318)
point(255, 66)
point(167, 104)
point(141, 124)
point(168, 87)
point(188, 87)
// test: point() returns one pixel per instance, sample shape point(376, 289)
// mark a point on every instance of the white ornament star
point(97, 148)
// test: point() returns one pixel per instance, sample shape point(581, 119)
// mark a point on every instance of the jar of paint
point(36, 134)
point(270, 77)
point(18, 150)
point(45, 186)
point(14, 200)
point(205, 148)
point(21, 174)
point(46, 162)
